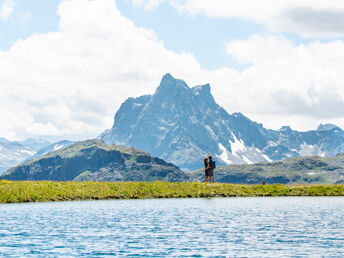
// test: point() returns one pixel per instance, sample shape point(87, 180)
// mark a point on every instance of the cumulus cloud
point(308, 18)
point(303, 80)
point(312, 22)
point(69, 83)
point(6, 8)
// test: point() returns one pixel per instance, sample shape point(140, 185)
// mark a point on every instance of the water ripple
point(249, 227)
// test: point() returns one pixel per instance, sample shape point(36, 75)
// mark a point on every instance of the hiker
point(206, 169)
point(210, 169)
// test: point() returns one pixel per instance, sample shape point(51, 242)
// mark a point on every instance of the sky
point(67, 65)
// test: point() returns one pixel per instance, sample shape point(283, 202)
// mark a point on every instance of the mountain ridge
point(94, 160)
point(182, 125)
point(12, 153)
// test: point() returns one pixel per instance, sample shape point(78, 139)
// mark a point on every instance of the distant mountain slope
point(312, 169)
point(51, 147)
point(12, 153)
point(94, 160)
point(35, 143)
point(182, 125)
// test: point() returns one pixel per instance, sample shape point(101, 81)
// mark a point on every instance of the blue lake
point(281, 226)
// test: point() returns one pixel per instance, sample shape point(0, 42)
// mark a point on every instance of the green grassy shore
point(44, 191)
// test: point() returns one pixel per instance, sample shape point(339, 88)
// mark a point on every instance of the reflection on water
point(290, 226)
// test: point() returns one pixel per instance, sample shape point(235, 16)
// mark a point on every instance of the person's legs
point(210, 174)
point(206, 179)
point(213, 179)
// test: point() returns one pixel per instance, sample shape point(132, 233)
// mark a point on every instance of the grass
point(44, 191)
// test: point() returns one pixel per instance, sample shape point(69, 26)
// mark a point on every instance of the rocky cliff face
point(182, 125)
point(94, 160)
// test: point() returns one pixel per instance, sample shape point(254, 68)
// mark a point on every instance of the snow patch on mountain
point(237, 146)
point(240, 153)
point(58, 147)
point(225, 155)
point(211, 132)
point(267, 158)
point(27, 152)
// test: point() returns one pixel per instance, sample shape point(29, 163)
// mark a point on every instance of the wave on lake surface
point(286, 226)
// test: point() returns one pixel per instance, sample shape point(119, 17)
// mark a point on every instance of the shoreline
point(49, 191)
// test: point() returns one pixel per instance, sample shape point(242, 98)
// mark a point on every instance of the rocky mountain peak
point(285, 129)
point(326, 127)
point(170, 85)
point(179, 124)
point(202, 89)
point(183, 125)
point(203, 92)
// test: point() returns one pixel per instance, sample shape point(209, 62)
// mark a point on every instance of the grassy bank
point(42, 191)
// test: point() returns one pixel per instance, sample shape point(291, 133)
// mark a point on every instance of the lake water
point(264, 227)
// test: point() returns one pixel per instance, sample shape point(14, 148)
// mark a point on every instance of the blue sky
point(28, 17)
point(205, 37)
point(67, 65)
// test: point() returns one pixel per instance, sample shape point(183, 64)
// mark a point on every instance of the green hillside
point(94, 160)
point(300, 170)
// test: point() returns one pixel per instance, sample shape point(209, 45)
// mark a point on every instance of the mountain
point(299, 170)
point(35, 143)
point(15, 152)
point(12, 153)
point(51, 147)
point(94, 160)
point(327, 127)
point(182, 125)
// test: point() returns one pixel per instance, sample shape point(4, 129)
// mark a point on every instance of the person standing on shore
point(210, 168)
point(206, 169)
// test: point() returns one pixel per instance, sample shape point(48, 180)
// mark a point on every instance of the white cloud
point(70, 83)
point(288, 80)
point(6, 8)
point(308, 18)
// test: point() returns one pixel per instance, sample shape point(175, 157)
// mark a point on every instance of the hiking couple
point(209, 166)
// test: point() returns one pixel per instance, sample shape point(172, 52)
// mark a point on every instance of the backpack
point(213, 165)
